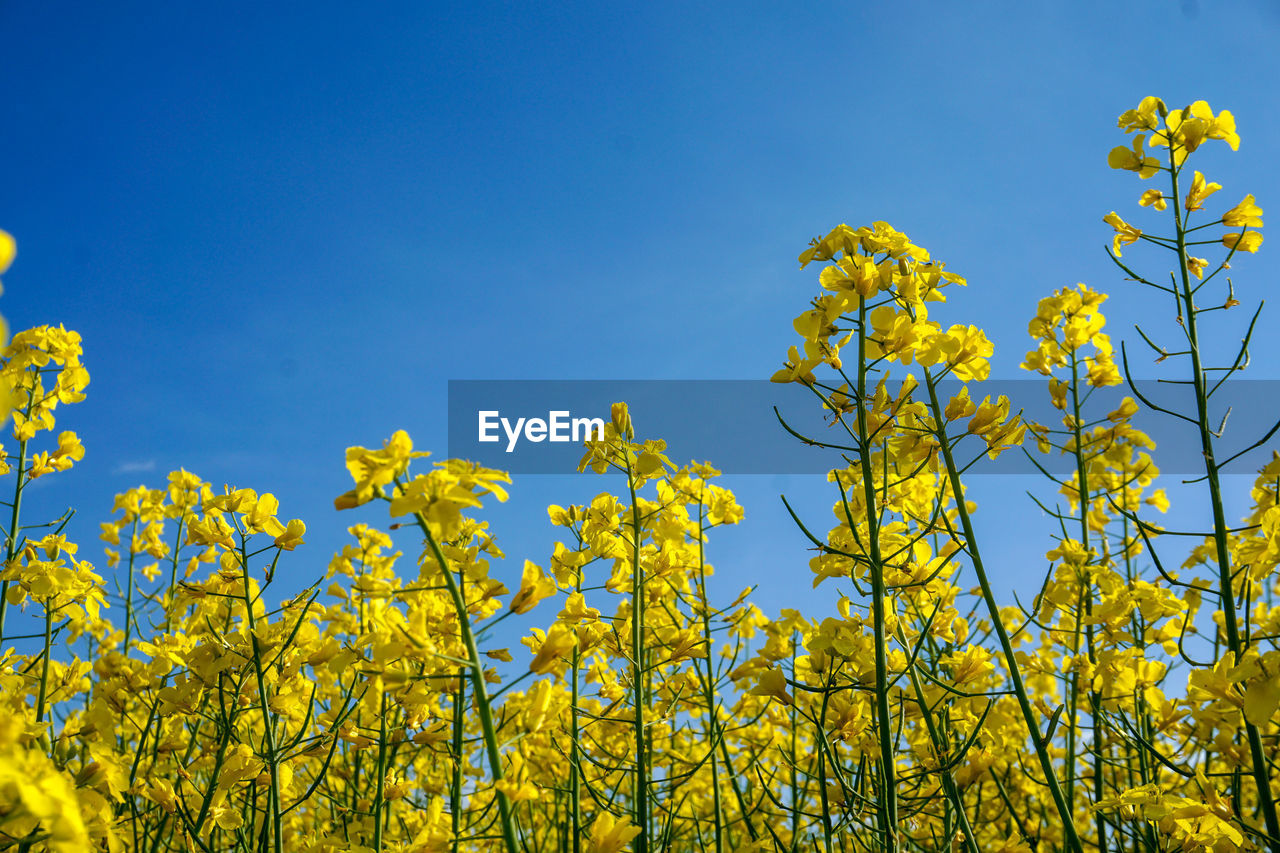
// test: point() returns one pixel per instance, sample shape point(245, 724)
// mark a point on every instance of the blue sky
point(282, 228)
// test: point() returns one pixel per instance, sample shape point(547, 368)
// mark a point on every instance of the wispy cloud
point(140, 466)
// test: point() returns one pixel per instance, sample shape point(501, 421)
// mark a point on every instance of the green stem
point(481, 693)
point(1226, 589)
point(48, 653)
point(822, 768)
point(128, 595)
point(575, 759)
point(708, 685)
point(637, 668)
point(379, 782)
point(1095, 698)
point(948, 780)
point(1040, 743)
point(268, 730)
point(11, 541)
point(888, 801)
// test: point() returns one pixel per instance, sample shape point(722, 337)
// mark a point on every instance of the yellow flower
point(69, 450)
point(1154, 199)
point(772, 683)
point(445, 492)
point(1159, 500)
point(291, 537)
point(260, 515)
point(988, 415)
point(620, 416)
point(8, 250)
point(1134, 159)
point(576, 610)
point(1126, 410)
point(973, 664)
point(534, 587)
point(610, 834)
point(898, 333)
point(373, 469)
point(1246, 214)
point(1200, 190)
point(1125, 233)
point(960, 406)
point(557, 642)
point(36, 797)
point(1145, 117)
point(1247, 242)
point(1222, 126)
point(963, 349)
point(797, 369)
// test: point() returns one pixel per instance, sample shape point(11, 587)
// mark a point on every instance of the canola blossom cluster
point(170, 700)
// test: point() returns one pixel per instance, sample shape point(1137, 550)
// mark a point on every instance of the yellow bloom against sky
point(277, 238)
point(263, 212)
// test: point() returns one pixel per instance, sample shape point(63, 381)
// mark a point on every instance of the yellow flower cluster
point(1182, 132)
point(175, 702)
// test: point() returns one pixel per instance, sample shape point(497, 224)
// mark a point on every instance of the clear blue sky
point(281, 228)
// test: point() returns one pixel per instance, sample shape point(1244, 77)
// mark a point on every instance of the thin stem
point(1040, 743)
point(641, 793)
point(889, 795)
point(11, 541)
point(478, 687)
point(1261, 776)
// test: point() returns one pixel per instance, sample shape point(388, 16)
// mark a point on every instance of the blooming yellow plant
point(166, 701)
